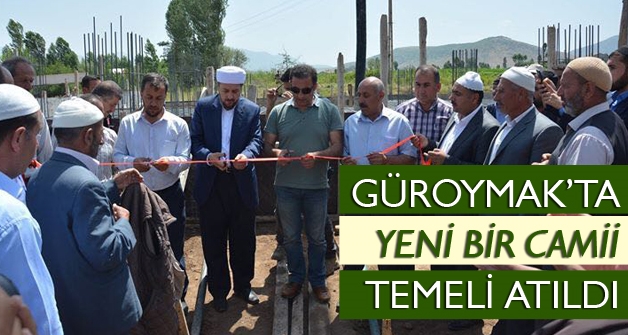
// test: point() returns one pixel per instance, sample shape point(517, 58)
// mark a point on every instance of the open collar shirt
point(168, 137)
point(505, 130)
point(430, 123)
point(459, 126)
point(589, 145)
point(364, 136)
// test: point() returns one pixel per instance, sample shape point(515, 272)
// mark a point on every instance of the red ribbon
point(276, 159)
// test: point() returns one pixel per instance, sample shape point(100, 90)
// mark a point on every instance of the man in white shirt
point(157, 143)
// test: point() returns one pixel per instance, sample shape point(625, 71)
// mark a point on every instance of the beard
point(621, 83)
point(93, 149)
point(153, 112)
point(575, 106)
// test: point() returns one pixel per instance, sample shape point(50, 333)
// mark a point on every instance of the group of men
point(74, 238)
point(66, 243)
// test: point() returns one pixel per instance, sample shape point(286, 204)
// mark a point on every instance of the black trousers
point(227, 221)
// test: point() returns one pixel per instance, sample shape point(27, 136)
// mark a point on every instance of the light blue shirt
point(169, 137)
point(21, 260)
point(89, 162)
point(363, 136)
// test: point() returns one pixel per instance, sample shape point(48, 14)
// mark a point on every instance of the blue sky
point(315, 31)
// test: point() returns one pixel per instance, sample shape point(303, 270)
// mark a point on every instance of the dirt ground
point(241, 318)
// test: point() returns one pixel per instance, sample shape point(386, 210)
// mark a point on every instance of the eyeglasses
point(297, 90)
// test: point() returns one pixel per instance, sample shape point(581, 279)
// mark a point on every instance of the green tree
point(520, 60)
point(151, 61)
point(7, 52)
point(287, 61)
point(195, 31)
point(483, 65)
point(16, 33)
point(373, 66)
point(232, 56)
point(60, 53)
point(35, 46)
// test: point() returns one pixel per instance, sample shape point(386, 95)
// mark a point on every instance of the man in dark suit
point(465, 141)
point(85, 241)
point(469, 131)
point(521, 140)
point(226, 132)
point(527, 134)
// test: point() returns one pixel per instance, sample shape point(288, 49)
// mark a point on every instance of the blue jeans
point(312, 204)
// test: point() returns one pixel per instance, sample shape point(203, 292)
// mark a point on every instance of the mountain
point(491, 50)
point(260, 60)
point(263, 61)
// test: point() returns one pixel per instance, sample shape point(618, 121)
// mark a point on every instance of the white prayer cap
point(521, 77)
point(472, 81)
point(594, 70)
point(76, 113)
point(230, 75)
point(535, 68)
point(15, 102)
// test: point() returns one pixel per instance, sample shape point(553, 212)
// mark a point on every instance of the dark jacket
point(206, 136)
point(156, 273)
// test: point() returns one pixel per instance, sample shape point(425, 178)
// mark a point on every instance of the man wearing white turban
point(86, 241)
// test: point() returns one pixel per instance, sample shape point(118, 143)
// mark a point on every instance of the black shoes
point(249, 296)
point(220, 305)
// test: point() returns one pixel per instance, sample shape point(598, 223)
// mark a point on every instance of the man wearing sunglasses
point(305, 126)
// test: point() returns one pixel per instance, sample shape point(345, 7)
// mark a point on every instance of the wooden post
point(623, 25)
point(551, 48)
point(251, 93)
point(422, 41)
point(383, 54)
point(350, 94)
point(209, 80)
point(340, 75)
point(76, 83)
point(387, 327)
point(391, 57)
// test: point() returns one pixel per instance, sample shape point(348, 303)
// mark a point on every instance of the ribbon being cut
point(275, 159)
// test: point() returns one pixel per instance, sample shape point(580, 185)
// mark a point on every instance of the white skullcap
point(15, 102)
point(535, 68)
point(521, 77)
point(471, 81)
point(76, 113)
point(230, 75)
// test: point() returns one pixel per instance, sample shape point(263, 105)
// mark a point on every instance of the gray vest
point(612, 126)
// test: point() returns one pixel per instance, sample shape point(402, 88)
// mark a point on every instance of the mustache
point(363, 105)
